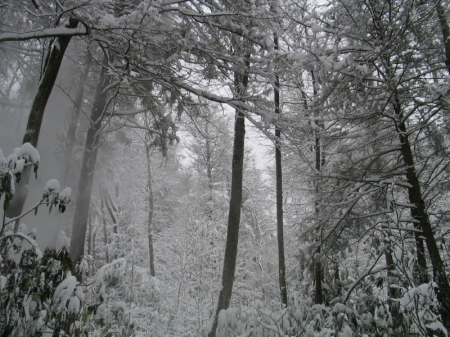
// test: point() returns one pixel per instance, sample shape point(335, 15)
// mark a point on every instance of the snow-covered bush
point(11, 168)
point(41, 295)
point(38, 291)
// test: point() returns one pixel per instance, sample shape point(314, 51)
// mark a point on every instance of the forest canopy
point(224, 168)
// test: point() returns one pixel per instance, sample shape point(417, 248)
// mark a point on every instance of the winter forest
point(221, 168)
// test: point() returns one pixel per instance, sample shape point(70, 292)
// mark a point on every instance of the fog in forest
point(224, 168)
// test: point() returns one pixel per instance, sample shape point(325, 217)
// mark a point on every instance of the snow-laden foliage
point(364, 100)
point(38, 291)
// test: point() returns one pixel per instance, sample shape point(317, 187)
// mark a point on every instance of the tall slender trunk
point(279, 190)
point(111, 208)
point(94, 256)
point(87, 170)
point(234, 215)
point(422, 268)
point(393, 292)
point(150, 213)
point(318, 294)
point(107, 201)
point(416, 198)
point(209, 167)
point(73, 123)
point(445, 32)
point(90, 234)
point(51, 69)
point(105, 227)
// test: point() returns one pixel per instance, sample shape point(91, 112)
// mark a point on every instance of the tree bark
point(416, 198)
point(318, 296)
point(90, 234)
point(150, 213)
point(234, 215)
point(77, 241)
point(51, 69)
point(393, 293)
point(422, 268)
point(445, 32)
point(279, 191)
point(105, 227)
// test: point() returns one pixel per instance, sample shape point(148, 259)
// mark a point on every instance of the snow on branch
point(370, 271)
point(233, 102)
point(404, 228)
point(128, 112)
point(40, 34)
point(31, 241)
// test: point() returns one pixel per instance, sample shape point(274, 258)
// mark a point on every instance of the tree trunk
point(209, 168)
point(90, 234)
point(87, 170)
point(318, 296)
point(110, 207)
point(393, 293)
point(106, 198)
point(445, 32)
point(279, 190)
point(415, 197)
point(73, 124)
point(51, 69)
point(150, 213)
point(234, 215)
point(422, 268)
point(105, 227)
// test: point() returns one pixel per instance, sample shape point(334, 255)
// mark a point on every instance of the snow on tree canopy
point(63, 293)
point(12, 160)
point(3, 164)
point(52, 186)
point(29, 153)
point(65, 195)
point(74, 305)
point(22, 228)
point(19, 166)
point(101, 312)
point(12, 186)
point(3, 282)
point(30, 240)
point(41, 321)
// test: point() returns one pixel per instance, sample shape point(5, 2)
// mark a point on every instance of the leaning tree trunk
point(79, 226)
point(51, 69)
point(279, 190)
point(416, 198)
point(150, 213)
point(234, 215)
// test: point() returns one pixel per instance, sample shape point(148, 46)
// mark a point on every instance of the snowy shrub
point(420, 309)
point(39, 292)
